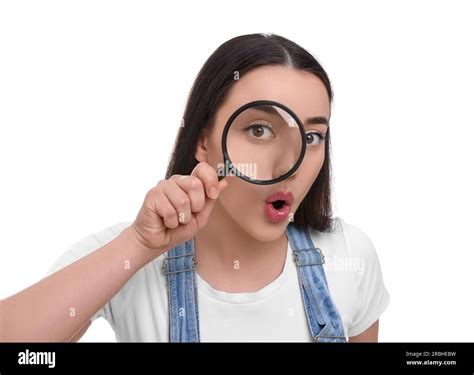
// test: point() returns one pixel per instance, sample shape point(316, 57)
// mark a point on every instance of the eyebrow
point(317, 120)
point(309, 121)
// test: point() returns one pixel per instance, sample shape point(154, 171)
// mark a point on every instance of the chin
point(264, 230)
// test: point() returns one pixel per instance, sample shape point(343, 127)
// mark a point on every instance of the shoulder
point(348, 248)
point(87, 245)
point(344, 239)
point(354, 274)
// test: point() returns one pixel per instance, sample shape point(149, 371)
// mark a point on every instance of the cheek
point(242, 203)
point(214, 153)
point(238, 196)
point(213, 146)
point(309, 171)
point(312, 164)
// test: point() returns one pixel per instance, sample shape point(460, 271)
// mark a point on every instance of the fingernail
point(213, 192)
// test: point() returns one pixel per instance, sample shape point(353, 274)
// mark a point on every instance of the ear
point(201, 148)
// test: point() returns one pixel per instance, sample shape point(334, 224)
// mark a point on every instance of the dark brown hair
point(216, 77)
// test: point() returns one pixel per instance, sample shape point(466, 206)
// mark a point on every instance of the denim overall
point(323, 318)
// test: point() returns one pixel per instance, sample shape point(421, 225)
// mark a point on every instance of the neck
point(230, 259)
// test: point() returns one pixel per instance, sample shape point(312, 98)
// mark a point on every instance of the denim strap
point(179, 267)
point(323, 317)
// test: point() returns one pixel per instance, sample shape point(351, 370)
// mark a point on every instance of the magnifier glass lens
point(264, 142)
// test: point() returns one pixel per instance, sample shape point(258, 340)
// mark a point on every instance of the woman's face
point(245, 203)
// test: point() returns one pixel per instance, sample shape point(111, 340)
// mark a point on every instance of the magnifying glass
point(263, 143)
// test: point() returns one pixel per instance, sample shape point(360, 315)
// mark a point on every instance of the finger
point(179, 199)
point(208, 176)
point(202, 217)
point(194, 188)
point(172, 178)
point(160, 205)
point(165, 209)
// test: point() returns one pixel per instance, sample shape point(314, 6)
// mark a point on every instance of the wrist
point(136, 254)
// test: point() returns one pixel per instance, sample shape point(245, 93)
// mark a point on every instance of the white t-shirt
point(139, 311)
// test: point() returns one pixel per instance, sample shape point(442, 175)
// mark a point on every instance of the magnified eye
point(314, 138)
point(260, 130)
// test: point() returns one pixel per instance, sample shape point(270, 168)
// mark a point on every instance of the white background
point(92, 93)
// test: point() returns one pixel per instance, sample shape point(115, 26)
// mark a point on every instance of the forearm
point(57, 307)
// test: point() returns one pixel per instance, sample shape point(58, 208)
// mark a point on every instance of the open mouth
point(278, 204)
point(279, 199)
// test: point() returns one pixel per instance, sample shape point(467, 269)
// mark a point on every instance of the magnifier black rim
point(253, 104)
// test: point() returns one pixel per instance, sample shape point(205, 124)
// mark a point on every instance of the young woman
point(204, 260)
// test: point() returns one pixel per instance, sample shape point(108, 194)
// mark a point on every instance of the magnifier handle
point(220, 173)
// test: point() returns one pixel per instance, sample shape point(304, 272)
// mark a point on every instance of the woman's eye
point(314, 138)
point(260, 131)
